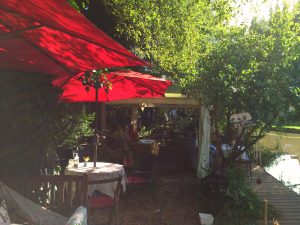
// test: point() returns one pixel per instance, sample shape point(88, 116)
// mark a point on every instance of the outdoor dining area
point(88, 191)
point(146, 112)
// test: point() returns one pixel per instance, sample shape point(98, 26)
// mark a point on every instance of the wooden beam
point(160, 102)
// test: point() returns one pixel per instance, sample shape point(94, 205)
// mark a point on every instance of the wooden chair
point(140, 174)
point(103, 201)
point(61, 193)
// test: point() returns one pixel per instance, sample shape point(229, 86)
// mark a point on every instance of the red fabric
point(125, 85)
point(135, 179)
point(51, 37)
point(101, 202)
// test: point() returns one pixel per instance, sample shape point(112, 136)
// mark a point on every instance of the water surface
point(286, 169)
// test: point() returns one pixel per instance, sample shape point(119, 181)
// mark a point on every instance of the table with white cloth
point(103, 170)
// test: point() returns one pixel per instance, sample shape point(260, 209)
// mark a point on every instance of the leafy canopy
point(169, 33)
point(252, 70)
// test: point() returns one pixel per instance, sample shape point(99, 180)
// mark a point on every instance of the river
point(286, 168)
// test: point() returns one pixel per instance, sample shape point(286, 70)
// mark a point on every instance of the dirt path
point(176, 203)
point(175, 200)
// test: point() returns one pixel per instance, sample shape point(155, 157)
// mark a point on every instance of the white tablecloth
point(101, 171)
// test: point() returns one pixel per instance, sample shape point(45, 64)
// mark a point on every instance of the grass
point(292, 127)
point(288, 142)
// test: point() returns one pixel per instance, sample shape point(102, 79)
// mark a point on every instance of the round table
point(103, 170)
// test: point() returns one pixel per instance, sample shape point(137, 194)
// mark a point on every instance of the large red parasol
point(125, 84)
point(51, 37)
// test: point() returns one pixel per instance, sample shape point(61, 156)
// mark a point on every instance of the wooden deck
point(285, 201)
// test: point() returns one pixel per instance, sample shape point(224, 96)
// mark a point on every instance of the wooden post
point(204, 142)
point(259, 157)
point(265, 212)
point(134, 117)
point(102, 115)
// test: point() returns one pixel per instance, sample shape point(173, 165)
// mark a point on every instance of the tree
point(169, 33)
point(251, 71)
point(234, 69)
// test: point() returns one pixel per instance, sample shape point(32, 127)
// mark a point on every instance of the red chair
point(140, 174)
point(101, 201)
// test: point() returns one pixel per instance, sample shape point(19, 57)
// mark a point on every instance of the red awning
point(51, 37)
point(125, 84)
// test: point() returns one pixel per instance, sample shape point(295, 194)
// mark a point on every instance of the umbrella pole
point(96, 129)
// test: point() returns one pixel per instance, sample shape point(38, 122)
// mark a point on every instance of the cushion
point(101, 201)
point(135, 179)
point(4, 217)
point(78, 217)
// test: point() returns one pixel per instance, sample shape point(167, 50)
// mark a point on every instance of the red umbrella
point(125, 84)
point(51, 37)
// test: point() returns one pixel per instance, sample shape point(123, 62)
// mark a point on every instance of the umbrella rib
point(39, 49)
point(76, 35)
point(11, 34)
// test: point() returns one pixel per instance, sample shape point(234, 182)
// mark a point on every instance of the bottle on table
point(76, 160)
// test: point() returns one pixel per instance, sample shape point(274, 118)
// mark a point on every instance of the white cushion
point(4, 217)
point(78, 217)
point(206, 219)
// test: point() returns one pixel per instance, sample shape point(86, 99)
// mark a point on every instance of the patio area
point(175, 203)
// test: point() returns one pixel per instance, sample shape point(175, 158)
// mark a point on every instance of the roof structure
point(170, 102)
point(173, 99)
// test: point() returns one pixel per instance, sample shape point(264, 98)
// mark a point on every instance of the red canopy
point(125, 84)
point(51, 37)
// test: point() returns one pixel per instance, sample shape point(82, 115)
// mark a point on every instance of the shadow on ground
point(175, 203)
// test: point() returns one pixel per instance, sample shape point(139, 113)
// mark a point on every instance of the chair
point(99, 201)
point(61, 193)
point(140, 174)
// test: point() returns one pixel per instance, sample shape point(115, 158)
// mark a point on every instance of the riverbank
point(286, 168)
point(286, 142)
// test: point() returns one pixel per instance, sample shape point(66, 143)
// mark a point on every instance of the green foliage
point(145, 132)
point(169, 33)
point(268, 156)
point(244, 207)
point(33, 125)
point(26, 103)
point(250, 70)
point(75, 123)
point(79, 5)
point(96, 79)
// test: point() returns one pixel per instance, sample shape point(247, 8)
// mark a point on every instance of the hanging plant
point(96, 79)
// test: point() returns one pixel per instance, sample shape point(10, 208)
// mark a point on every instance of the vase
point(85, 164)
